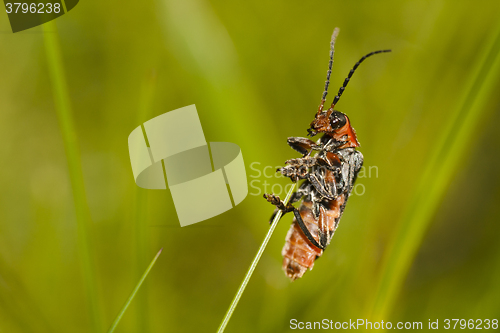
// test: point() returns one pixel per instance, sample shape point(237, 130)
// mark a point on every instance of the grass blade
point(446, 155)
point(131, 297)
point(68, 133)
point(140, 208)
point(255, 261)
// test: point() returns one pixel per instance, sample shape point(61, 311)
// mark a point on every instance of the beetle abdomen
point(299, 253)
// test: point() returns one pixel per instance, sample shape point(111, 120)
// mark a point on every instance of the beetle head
point(335, 124)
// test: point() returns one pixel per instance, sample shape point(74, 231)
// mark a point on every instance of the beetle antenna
point(327, 82)
point(346, 81)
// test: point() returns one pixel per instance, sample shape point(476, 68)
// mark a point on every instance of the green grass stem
point(134, 292)
point(69, 137)
point(140, 208)
point(255, 261)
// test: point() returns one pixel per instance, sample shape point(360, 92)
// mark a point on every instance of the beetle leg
point(334, 144)
point(297, 168)
point(303, 161)
point(303, 145)
point(294, 172)
point(275, 200)
point(306, 231)
point(315, 209)
point(323, 232)
point(334, 161)
point(320, 186)
point(280, 205)
point(304, 189)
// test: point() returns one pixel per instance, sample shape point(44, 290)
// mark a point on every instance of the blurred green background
point(420, 243)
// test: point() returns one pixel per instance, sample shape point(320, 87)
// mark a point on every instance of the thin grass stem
point(255, 261)
point(140, 215)
point(131, 297)
point(66, 125)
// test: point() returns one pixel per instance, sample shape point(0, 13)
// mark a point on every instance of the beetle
point(328, 179)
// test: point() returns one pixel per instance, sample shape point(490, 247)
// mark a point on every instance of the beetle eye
point(337, 120)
